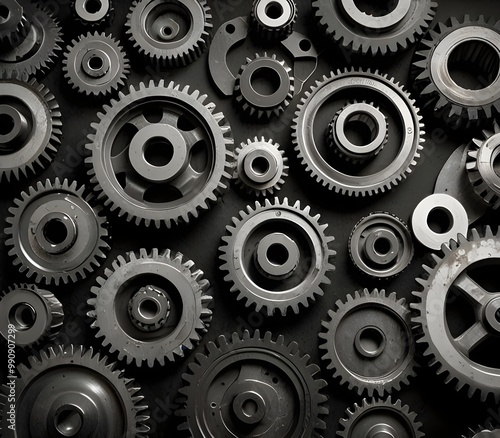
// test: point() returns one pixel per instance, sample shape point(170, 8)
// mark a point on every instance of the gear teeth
point(105, 19)
point(270, 33)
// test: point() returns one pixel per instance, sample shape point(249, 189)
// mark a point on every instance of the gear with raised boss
point(14, 25)
point(273, 19)
point(92, 13)
point(481, 432)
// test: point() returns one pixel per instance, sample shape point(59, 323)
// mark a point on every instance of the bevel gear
point(160, 154)
point(399, 156)
point(273, 19)
point(261, 167)
point(481, 432)
point(277, 256)
point(173, 314)
point(31, 128)
point(55, 234)
point(92, 13)
point(72, 391)
point(456, 284)
point(253, 387)
point(368, 342)
point(170, 33)
point(95, 65)
point(14, 25)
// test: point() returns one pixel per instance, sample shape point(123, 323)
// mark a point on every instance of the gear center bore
point(68, 421)
point(249, 407)
point(381, 246)
point(149, 308)
point(260, 166)
point(382, 431)
point(96, 63)
point(492, 314)
point(56, 232)
point(277, 256)
point(22, 317)
point(14, 128)
point(370, 342)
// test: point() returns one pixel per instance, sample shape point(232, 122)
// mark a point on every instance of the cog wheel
point(457, 285)
point(14, 25)
point(481, 432)
point(277, 256)
point(151, 307)
point(170, 33)
point(400, 154)
point(160, 154)
point(92, 13)
point(271, 376)
point(72, 391)
point(443, 91)
point(95, 65)
point(55, 234)
point(261, 167)
point(380, 417)
point(36, 314)
point(368, 342)
point(273, 19)
point(32, 114)
point(278, 79)
point(370, 30)
point(481, 162)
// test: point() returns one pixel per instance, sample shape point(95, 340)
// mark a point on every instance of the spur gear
point(380, 418)
point(160, 154)
point(72, 391)
point(36, 314)
point(399, 156)
point(481, 432)
point(55, 234)
point(92, 13)
point(261, 167)
point(170, 33)
point(95, 65)
point(368, 342)
point(253, 387)
point(30, 131)
point(371, 30)
point(277, 256)
point(151, 307)
point(273, 19)
point(458, 313)
point(14, 25)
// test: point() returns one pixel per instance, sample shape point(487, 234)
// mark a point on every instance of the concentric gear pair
point(253, 387)
point(273, 19)
point(92, 13)
point(277, 256)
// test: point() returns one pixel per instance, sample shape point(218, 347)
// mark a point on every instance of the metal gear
point(481, 432)
point(457, 282)
point(14, 25)
point(92, 13)
point(95, 65)
point(275, 75)
point(30, 132)
point(261, 167)
point(273, 19)
point(370, 30)
point(482, 166)
point(253, 387)
point(277, 256)
point(447, 96)
point(171, 33)
point(173, 314)
point(368, 342)
point(72, 391)
point(400, 155)
point(36, 314)
point(55, 234)
point(159, 155)
point(380, 418)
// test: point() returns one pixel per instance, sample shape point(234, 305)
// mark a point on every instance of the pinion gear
point(92, 14)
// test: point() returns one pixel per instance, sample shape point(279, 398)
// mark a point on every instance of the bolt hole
point(274, 10)
point(6, 124)
point(360, 129)
point(275, 380)
point(22, 316)
point(230, 29)
point(55, 232)
point(95, 63)
point(68, 422)
point(277, 254)
point(249, 408)
point(305, 45)
point(260, 165)
point(440, 220)
point(265, 81)
point(93, 6)
point(149, 309)
point(158, 151)
point(167, 31)
point(496, 164)
point(213, 405)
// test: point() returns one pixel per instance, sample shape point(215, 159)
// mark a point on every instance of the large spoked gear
point(481, 432)
point(371, 30)
point(92, 13)
point(72, 391)
point(368, 342)
point(277, 256)
point(253, 387)
point(55, 234)
point(14, 25)
point(31, 128)
point(458, 102)
point(151, 307)
point(170, 33)
point(380, 418)
point(160, 155)
point(391, 165)
point(95, 65)
point(458, 286)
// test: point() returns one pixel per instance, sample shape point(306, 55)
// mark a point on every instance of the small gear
point(92, 13)
point(14, 25)
point(368, 342)
point(264, 72)
point(380, 418)
point(72, 391)
point(31, 128)
point(55, 234)
point(253, 387)
point(277, 256)
point(95, 65)
point(482, 166)
point(274, 19)
point(261, 167)
point(458, 314)
point(160, 154)
point(36, 314)
point(170, 33)
point(151, 307)
point(481, 432)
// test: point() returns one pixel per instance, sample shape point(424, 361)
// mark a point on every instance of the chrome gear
point(273, 19)
point(14, 26)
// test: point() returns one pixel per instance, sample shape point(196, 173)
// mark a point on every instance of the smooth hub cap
point(14, 128)
point(277, 256)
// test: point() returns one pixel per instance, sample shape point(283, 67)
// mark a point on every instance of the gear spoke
point(471, 290)
point(121, 162)
point(192, 137)
point(187, 181)
point(472, 338)
point(136, 187)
